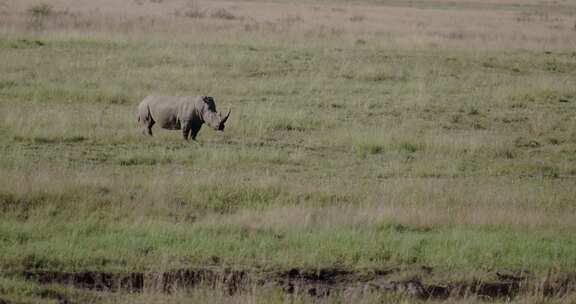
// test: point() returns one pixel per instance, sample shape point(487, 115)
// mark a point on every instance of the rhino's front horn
point(226, 117)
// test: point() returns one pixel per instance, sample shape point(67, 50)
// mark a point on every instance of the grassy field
point(435, 139)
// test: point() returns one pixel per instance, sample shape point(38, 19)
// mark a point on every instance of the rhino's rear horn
point(226, 117)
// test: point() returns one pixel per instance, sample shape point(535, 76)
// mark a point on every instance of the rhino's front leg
point(194, 132)
point(186, 127)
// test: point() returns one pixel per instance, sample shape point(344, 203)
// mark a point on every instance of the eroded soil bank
point(321, 283)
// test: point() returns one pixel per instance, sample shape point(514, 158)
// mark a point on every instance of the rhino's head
point(211, 117)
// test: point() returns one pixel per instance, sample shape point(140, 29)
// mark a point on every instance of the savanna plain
point(378, 151)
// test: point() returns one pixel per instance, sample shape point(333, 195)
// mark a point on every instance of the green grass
point(353, 157)
point(94, 245)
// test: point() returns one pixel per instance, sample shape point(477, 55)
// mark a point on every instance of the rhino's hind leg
point(147, 123)
point(149, 127)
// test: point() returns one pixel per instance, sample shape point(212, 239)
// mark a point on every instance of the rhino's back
point(165, 110)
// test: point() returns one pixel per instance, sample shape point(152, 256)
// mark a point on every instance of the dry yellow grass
point(509, 24)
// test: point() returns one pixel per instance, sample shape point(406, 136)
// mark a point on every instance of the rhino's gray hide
point(186, 113)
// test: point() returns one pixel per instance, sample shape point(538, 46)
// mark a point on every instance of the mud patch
point(321, 283)
point(231, 281)
point(326, 282)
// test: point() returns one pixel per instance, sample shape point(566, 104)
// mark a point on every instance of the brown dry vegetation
point(468, 24)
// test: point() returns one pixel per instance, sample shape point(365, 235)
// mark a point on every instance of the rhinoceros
point(186, 113)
